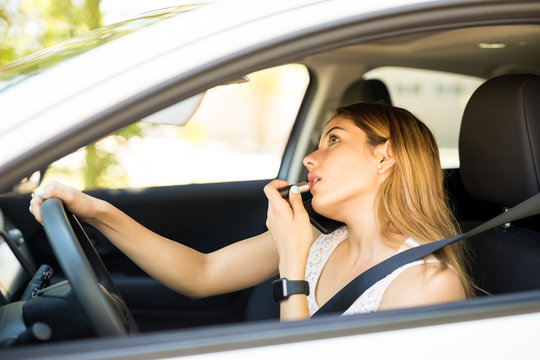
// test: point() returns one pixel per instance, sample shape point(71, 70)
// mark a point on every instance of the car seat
point(499, 151)
point(370, 90)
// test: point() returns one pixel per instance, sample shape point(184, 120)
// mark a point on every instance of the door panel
point(203, 216)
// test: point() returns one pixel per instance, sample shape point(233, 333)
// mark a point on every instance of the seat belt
point(347, 295)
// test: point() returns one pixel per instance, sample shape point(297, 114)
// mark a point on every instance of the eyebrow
point(332, 129)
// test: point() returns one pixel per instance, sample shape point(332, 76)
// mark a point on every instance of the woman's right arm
point(192, 273)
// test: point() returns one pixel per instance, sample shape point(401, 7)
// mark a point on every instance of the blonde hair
point(412, 201)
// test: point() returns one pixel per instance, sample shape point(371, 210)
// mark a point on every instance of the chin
point(322, 208)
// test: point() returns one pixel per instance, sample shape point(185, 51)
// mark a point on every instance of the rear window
point(436, 98)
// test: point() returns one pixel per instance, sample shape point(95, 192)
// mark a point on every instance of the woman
point(376, 170)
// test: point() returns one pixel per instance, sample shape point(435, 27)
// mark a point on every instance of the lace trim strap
point(319, 253)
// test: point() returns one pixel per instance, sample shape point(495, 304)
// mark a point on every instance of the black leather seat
point(366, 90)
point(499, 149)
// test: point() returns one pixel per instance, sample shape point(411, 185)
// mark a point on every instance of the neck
point(365, 243)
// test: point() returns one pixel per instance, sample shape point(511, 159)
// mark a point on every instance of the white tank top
point(369, 301)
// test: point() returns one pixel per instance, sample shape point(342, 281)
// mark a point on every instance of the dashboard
point(31, 311)
point(13, 276)
point(16, 266)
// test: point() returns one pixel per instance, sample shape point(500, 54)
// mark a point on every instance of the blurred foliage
point(27, 26)
point(102, 169)
point(41, 60)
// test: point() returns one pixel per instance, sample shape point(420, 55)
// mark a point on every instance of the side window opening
point(239, 132)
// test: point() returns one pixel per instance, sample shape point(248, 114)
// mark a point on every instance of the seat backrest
point(499, 149)
point(366, 90)
point(261, 304)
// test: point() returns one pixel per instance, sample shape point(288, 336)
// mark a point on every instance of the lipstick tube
point(302, 187)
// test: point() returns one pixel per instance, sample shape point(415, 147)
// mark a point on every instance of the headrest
point(371, 90)
point(499, 140)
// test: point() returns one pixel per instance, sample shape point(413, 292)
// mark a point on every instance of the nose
point(310, 161)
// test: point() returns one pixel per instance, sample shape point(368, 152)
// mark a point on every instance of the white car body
point(63, 108)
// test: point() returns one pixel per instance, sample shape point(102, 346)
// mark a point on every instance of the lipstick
point(302, 188)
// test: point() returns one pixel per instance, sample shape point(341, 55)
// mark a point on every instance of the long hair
point(412, 201)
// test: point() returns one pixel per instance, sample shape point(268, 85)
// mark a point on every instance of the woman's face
point(343, 172)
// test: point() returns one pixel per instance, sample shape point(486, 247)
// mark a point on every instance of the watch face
point(277, 287)
point(283, 288)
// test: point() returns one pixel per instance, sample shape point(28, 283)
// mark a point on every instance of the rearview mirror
point(178, 114)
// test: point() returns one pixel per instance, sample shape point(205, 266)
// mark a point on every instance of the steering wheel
point(92, 285)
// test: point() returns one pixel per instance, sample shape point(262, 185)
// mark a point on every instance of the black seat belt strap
point(346, 296)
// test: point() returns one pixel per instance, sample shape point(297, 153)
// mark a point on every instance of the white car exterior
point(62, 108)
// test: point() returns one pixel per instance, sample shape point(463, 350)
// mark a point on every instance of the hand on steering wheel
point(92, 285)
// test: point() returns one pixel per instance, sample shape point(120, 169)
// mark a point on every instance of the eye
point(332, 139)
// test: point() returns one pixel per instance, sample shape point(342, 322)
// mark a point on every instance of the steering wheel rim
point(91, 282)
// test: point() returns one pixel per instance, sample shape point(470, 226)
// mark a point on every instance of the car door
point(205, 217)
point(200, 184)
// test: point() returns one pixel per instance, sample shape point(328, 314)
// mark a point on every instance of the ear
point(385, 157)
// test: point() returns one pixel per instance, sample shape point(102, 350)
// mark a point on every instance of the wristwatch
point(284, 288)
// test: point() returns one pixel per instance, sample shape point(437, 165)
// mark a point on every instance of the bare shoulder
point(423, 284)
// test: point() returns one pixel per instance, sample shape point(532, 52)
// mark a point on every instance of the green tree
point(27, 26)
point(102, 170)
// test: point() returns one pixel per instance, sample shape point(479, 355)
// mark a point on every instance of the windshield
point(20, 70)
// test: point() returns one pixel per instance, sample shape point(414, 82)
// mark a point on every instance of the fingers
point(49, 190)
point(35, 205)
point(277, 206)
point(270, 189)
point(273, 196)
point(297, 205)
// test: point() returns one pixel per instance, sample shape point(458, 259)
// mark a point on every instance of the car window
point(436, 98)
point(239, 132)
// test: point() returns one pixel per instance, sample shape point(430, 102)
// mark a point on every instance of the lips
point(313, 179)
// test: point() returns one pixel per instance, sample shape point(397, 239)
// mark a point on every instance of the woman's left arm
point(288, 223)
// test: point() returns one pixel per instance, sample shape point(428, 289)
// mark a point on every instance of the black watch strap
point(284, 288)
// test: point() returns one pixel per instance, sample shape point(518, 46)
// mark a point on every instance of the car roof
point(139, 41)
point(70, 99)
